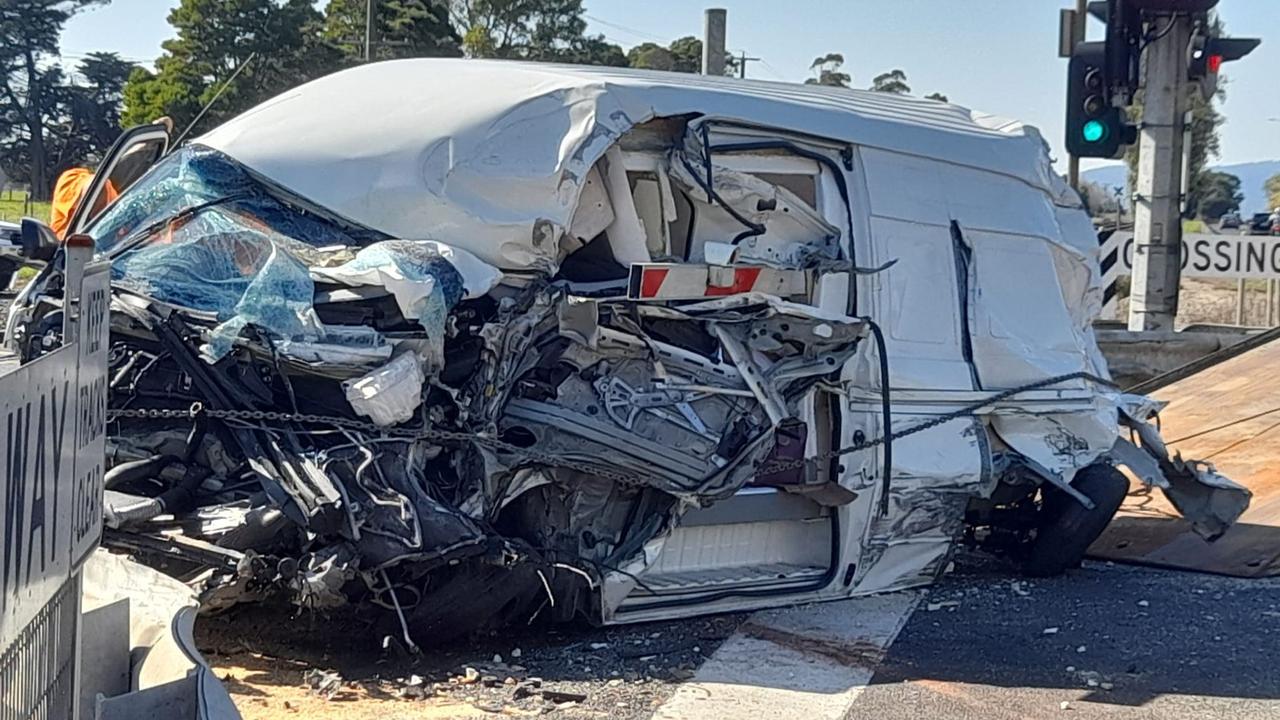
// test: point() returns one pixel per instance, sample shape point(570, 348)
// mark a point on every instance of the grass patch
point(14, 205)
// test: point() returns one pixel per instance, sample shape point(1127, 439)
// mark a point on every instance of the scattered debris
point(936, 606)
point(561, 696)
point(1049, 631)
point(324, 683)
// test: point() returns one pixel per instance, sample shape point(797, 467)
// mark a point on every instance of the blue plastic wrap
point(244, 260)
point(219, 264)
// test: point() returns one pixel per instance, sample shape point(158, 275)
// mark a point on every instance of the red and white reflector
point(680, 281)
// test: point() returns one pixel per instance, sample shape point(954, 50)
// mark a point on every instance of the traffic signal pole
point(1077, 34)
point(1153, 298)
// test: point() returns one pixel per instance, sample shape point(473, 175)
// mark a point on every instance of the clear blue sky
point(999, 56)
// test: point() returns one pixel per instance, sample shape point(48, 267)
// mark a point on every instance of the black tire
point(1067, 528)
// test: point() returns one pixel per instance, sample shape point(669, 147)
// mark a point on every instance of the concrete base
point(1136, 357)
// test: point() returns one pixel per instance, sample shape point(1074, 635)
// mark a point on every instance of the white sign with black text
point(1210, 256)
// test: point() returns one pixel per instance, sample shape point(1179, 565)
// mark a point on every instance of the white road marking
point(807, 662)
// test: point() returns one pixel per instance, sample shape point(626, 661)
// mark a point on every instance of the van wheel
point(1066, 528)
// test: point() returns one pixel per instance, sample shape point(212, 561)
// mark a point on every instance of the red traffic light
point(1214, 64)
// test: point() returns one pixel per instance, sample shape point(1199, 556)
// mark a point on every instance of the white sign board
point(1210, 256)
point(92, 330)
point(38, 417)
point(53, 416)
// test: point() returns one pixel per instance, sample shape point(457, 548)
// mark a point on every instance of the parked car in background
point(1259, 224)
point(1230, 221)
point(10, 252)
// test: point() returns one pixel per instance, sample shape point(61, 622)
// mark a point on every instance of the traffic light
point(1205, 57)
point(1095, 128)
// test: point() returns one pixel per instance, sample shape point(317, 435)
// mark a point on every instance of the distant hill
point(1252, 176)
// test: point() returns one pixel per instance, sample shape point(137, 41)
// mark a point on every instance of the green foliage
point(14, 204)
point(682, 55)
point(215, 38)
point(894, 81)
point(543, 30)
point(827, 71)
point(651, 56)
point(937, 96)
point(95, 101)
point(1217, 193)
point(687, 54)
point(1272, 187)
point(402, 28)
point(1097, 201)
point(48, 121)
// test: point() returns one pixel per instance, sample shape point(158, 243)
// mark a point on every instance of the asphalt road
point(1106, 641)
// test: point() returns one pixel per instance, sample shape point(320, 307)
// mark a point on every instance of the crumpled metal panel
point(1197, 490)
point(498, 167)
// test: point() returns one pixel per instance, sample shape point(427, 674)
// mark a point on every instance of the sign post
point(53, 411)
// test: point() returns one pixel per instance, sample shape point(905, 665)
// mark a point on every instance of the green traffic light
point(1093, 131)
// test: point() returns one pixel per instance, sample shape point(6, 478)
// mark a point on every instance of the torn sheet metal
point(1197, 490)
point(156, 626)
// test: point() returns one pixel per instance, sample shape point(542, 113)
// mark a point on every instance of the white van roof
point(476, 151)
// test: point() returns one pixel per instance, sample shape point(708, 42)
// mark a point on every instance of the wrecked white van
point(478, 342)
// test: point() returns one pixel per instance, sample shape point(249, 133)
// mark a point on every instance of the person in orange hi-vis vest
point(69, 192)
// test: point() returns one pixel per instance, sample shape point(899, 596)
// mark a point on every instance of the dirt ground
point(1213, 301)
point(270, 662)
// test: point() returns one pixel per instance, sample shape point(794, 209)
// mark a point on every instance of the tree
point(894, 81)
point(31, 82)
point(544, 30)
point(827, 71)
point(401, 28)
point(687, 54)
point(682, 55)
point(215, 39)
point(593, 50)
point(651, 56)
point(1097, 199)
point(1272, 186)
point(95, 105)
point(1216, 194)
point(937, 96)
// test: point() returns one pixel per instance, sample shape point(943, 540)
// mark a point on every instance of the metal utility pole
point(713, 41)
point(1153, 301)
point(1078, 34)
point(368, 30)
point(742, 64)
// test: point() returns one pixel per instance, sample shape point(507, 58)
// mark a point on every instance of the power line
point(625, 29)
point(771, 69)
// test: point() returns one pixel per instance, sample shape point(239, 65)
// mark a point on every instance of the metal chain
point(965, 411)
point(454, 437)
point(440, 436)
